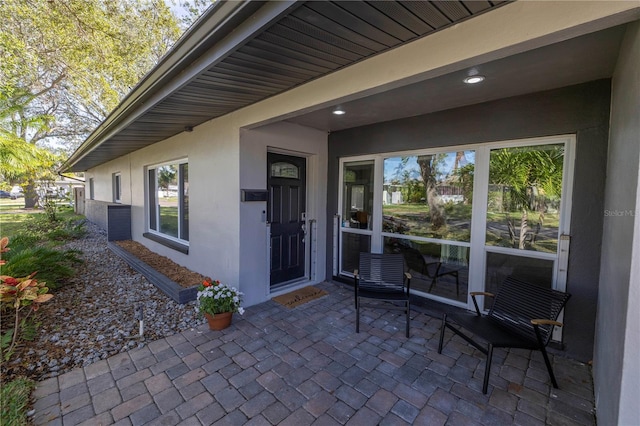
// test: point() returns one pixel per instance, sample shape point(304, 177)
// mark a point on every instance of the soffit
point(578, 60)
point(310, 40)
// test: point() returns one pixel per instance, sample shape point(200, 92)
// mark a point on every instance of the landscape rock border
point(93, 315)
point(169, 287)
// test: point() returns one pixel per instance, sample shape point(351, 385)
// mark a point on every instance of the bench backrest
point(518, 302)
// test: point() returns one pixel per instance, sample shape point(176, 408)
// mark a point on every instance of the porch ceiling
point(578, 60)
point(282, 45)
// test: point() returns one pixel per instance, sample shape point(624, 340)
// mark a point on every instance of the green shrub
point(38, 230)
point(67, 230)
point(22, 241)
point(54, 267)
point(14, 401)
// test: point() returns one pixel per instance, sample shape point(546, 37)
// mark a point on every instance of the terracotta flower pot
point(219, 321)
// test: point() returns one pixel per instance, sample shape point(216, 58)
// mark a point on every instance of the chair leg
point(408, 310)
point(487, 369)
point(549, 368)
point(433, 283)
point(357, 315)
point(457, 284)
point(444, 321)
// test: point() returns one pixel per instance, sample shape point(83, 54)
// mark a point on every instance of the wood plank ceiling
point(314, 39)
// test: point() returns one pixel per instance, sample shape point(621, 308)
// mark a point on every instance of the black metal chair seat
point(522, 315)
point(493, 332)
point(382, 277)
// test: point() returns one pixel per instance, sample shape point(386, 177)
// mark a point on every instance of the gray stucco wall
point(616, 359)
point(581, 109)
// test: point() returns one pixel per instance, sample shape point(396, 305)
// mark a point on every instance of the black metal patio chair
point(522, 316)
point(431, 270)
point(382, 277)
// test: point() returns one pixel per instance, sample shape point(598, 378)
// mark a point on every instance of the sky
point(394, 169)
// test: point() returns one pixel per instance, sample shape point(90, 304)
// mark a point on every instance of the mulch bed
point(181, 275)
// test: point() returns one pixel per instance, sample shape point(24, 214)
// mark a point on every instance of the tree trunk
point(524, 229)
point(436, 211)
point(30, 195)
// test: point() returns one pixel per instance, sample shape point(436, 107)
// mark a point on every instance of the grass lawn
point(13, 215)
point(414, 220)
point(7, 204)
point(14, 398)
point(14, 218)
point(169, 220)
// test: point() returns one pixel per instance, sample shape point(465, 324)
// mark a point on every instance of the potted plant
point(218, 302)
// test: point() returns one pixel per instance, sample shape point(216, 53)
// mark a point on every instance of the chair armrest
point(407, 277)
point(481, 293)
point(546, 322)
point(475, 302)
point(355, 273)
point(536, 327)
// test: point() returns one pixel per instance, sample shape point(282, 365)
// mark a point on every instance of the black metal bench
point(522, 316)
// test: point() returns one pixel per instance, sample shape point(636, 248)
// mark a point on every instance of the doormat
point(298, 297)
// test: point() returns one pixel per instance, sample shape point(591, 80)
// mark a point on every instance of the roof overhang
point(244, 52)
point(241, 52)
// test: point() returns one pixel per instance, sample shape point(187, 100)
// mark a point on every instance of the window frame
point(91, 189)
point(116, 183)
point(179, 243)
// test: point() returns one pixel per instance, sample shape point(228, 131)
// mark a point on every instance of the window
point(464, 217)
point(429, 195)
point(117, 187)
point(284, 170)
point(91, 189)
point(168, 199)
point(524, 213)
point(357, 211)
point(427, 200)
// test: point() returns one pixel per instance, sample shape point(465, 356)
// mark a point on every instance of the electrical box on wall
point(253, 195)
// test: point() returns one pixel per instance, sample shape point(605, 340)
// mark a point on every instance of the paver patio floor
point(307, 366)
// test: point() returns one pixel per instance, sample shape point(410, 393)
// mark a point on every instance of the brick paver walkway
point(306, 366)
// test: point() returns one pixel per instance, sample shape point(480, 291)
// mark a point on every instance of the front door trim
point(287, 245)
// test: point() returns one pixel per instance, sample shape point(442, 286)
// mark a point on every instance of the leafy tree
point(523, 169)
point(21, 161)
point(191, 10)
point(17, 156)
point(526, 172)
point(166, 177)
point(64, 65)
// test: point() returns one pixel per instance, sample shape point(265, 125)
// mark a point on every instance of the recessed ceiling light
point(474, 79)
point(339, 111)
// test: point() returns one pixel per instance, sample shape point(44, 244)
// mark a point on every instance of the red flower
point(206, 284)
